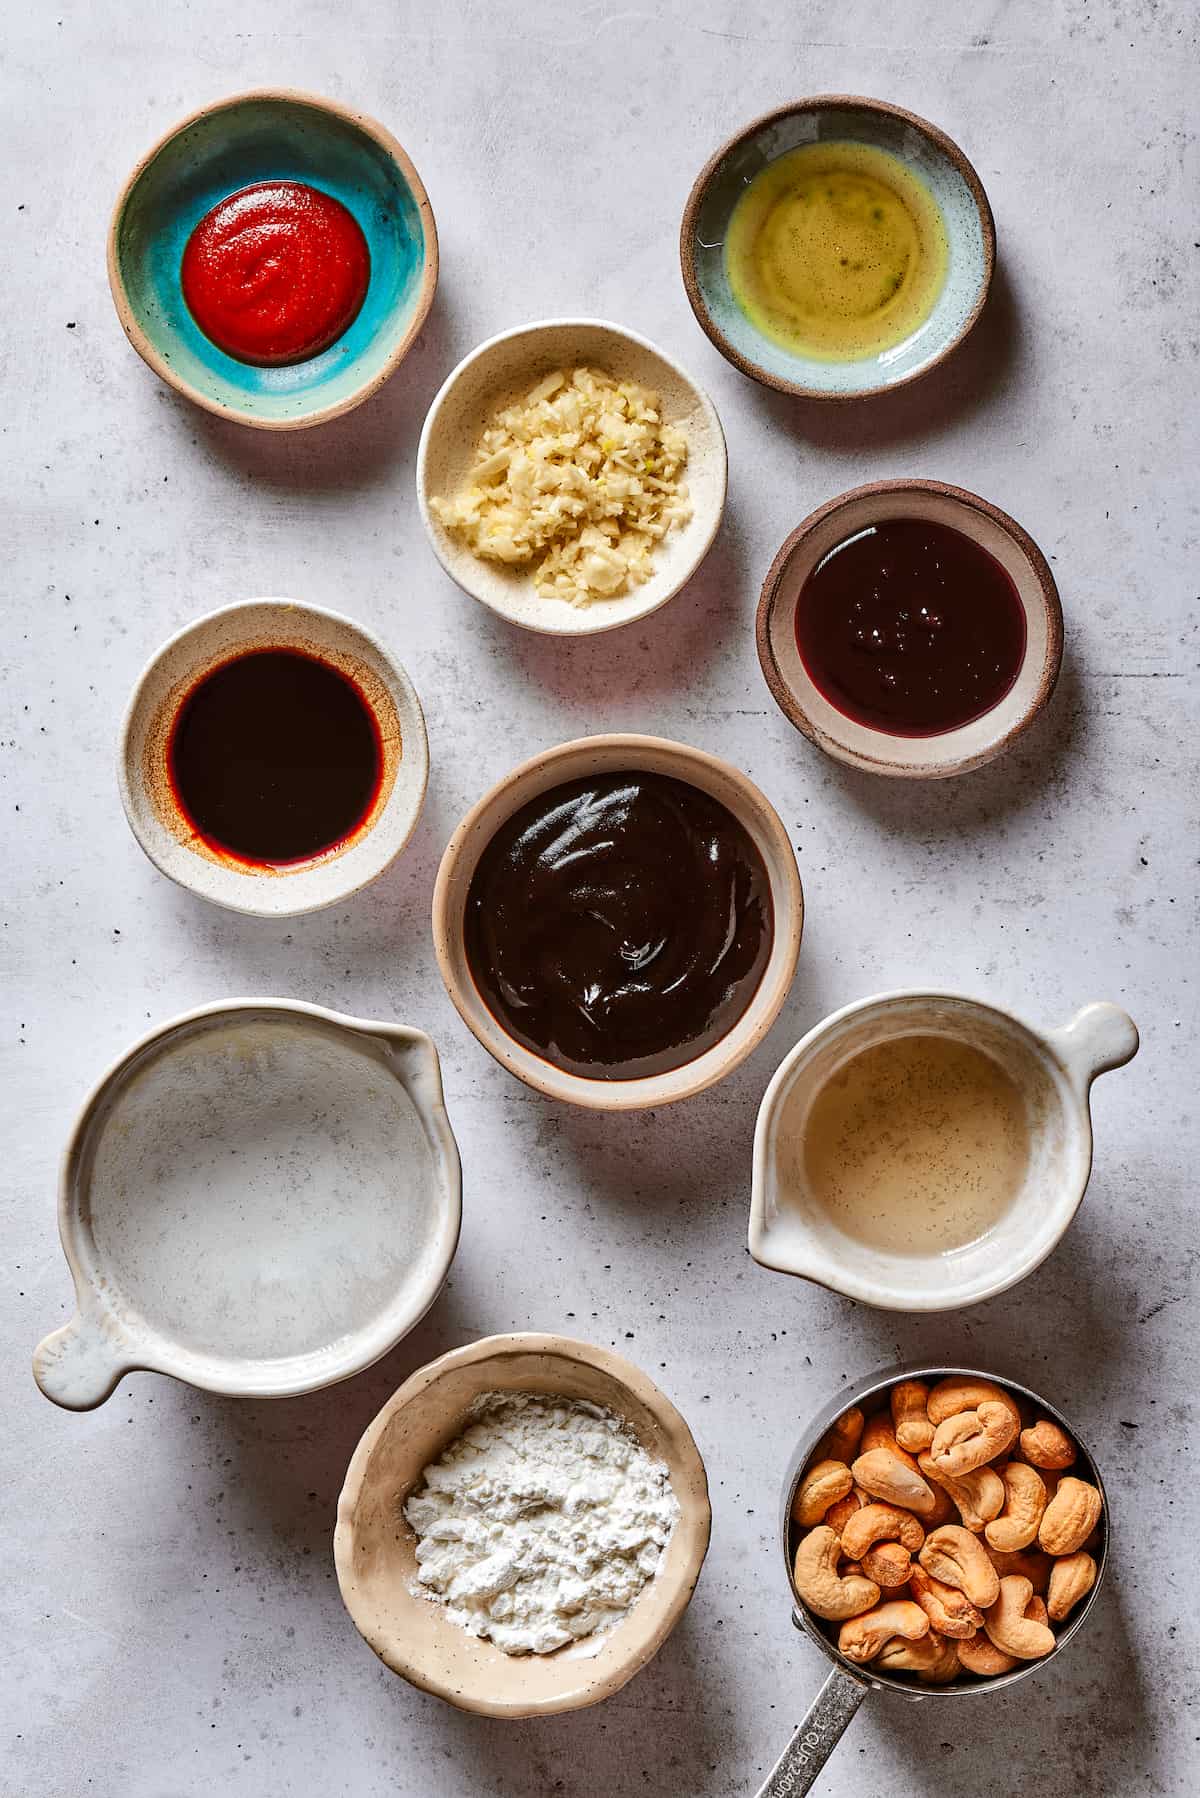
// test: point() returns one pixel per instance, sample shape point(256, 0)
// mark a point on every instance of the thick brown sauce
point(619, 926)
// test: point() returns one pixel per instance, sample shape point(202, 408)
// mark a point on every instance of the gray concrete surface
point(169, 1620)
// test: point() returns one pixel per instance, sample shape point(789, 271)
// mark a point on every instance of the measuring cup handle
point(817, 1737)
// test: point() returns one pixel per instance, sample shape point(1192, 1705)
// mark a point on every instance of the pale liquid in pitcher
point(916, 1146)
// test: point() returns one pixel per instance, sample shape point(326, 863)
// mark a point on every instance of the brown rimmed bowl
point(375, 1550)
point(167, 834)
point(881, 752)
point(577, 760)
point(277, 134)
point(932, 157)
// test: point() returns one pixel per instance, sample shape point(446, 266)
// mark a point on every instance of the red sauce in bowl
point(276, 272)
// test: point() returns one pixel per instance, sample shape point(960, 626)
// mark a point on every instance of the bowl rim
point(146, 1349)
point(362, 122)
point(694, 1523)
point(817, 103)
point(716, 1062)
point(863, 1289)
point(892, 764)
point(436, 534)
point(397, 681)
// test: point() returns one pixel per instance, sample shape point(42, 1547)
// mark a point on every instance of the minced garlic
point(583, 474)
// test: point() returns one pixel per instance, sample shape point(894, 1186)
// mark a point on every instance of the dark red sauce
point(276, 272)
point(910, 627)
point(619, 926)
point(275, 757)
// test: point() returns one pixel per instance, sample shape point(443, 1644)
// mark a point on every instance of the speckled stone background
point(170, 1622)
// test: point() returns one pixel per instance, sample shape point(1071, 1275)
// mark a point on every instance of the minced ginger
point(583, 474)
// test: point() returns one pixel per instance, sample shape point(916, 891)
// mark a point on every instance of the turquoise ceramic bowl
point(273, 134)
point(929, 153)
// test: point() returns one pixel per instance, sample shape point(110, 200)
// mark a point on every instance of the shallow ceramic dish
point(501, 371)
point(375, 1550)
point(932, 157)
point(1052, 1070)
point(878, 751)
point(260, 1198)
point(575, 761)
point(848, 1683)
point(273, 134)
point(168, 836)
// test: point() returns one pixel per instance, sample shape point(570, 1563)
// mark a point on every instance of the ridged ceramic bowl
point(500, 372)
point(930, 155)
point(260, 1198)
point(880, 751)
point(611, 755)
point(375, 1550)
point(167, 835)
point(273, 134)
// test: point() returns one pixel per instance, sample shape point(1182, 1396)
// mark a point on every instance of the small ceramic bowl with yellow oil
point(837, 248)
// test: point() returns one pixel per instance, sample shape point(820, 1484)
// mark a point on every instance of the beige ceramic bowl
point(169, 838)
point(575, 761)
point(877, 751)
point(498, 373)
point(375, 1550)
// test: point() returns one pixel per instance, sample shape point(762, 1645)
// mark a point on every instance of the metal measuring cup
point(847, 1683)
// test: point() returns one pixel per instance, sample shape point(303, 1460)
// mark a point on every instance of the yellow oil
point(836, 251)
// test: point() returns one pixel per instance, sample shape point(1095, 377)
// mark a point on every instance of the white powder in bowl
point(542, 1522)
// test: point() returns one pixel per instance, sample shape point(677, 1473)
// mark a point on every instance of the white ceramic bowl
point(375, 1550)
point(1053, 1071)
point(168, 837)
point(578, 760)
point(499, 372)
point(260, 1198)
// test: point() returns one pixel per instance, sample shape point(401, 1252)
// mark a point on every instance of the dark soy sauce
point(911, 628)
point(275, 757)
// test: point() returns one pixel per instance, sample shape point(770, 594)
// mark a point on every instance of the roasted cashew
point(949, 1611)
point(1024, 1501)
point(1046, 1445)
point(884, 1475)
point(978, 1495)
point(861, 1638)
point(880, 1523)
point(970, 1439)
point(823, 1483)
point(956, 1557)
point(1071, 1578)
point(925, 1656)
point(840, 1441)
point(1031, 1562)
point(946, 1667)
point(1007, 1626)
point(888, 1564)
point(838, 1515)
point(816, 1577)
point(979, 1655)
point(878, 1433)
point(961, 1393)
point(1070, 1517)
point(910, 1420)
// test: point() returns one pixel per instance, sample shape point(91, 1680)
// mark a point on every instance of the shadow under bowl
point(375, 1550)
point(864, 746)
point(932, 157)
point(273, 134)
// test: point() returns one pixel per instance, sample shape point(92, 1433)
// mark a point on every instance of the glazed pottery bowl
point(588, 756)
point(260, 1198)
point(928, 153)
point(848, 1683)
point(375, 1549)
point(273, 134)
point(1052, 1071)
point(500, 372)
point(168, 836)
point(880, 751)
